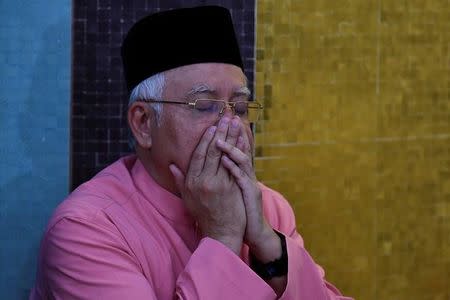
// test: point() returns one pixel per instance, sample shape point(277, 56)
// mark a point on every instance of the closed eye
point(205, 105)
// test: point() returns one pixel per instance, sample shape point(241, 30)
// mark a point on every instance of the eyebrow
point(201, 88)
point(243, 91)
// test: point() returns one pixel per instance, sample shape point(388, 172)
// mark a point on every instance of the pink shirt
point(122, 236)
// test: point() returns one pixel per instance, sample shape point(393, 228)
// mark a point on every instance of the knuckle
point(197, 155)
point(190, 183)
point(229, 149)
point(206, 187)
point(241, 158)
point(246, 147)
point(213, 154)
point(234, 131)
point(228, 146)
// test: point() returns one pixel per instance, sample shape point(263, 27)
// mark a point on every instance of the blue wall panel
point(34, 131)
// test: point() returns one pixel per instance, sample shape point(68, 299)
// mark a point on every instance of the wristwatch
point(275, 268)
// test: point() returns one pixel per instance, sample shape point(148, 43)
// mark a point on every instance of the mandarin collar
point(167, 204)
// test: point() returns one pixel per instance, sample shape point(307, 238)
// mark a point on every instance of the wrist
point(232, 243)
point(277, 268)
point(268, 246)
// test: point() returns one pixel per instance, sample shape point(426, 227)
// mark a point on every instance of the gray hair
point(150, 88)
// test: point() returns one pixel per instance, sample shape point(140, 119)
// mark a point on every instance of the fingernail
point(223, 123)
point(220, 142)
point(234, 123)
point(212, 129)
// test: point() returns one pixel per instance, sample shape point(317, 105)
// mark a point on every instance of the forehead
point(218, 76)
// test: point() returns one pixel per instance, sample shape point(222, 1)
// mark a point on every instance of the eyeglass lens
point(240, 108)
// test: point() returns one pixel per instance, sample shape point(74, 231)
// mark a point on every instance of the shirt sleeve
point(215, 272)
point(306, 279)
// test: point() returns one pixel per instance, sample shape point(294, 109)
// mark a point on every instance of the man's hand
point(264, 243)
point(259, 236)
point(211, 195)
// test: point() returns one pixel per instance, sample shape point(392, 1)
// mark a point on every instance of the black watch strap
point(276, 268)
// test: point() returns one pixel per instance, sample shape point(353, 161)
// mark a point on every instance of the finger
point(238, 157)
point(233, 131)
point(247, 137)
point(240, 144)
point(178, 178)
point(231, 138)
point(199, 155)
point(213, 154)
point(240, 175)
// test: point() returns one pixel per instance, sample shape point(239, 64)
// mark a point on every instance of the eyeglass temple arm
point(168, 101)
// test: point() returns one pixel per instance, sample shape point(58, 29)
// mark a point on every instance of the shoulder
point(92, 200)
point(277, 210)
point(83, 229)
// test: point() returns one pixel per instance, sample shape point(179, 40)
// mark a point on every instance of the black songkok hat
point(176, 38)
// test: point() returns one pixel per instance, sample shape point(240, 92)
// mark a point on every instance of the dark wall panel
point(99, 95)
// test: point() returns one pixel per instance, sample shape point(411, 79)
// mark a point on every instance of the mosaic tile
point(356, 135)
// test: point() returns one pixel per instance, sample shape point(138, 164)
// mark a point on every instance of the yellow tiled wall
point(356, 135)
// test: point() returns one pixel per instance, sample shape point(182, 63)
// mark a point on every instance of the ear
point(140, 120)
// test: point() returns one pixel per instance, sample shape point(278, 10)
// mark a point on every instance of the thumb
point(178, 177)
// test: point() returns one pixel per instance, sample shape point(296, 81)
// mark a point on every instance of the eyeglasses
point(246, 110)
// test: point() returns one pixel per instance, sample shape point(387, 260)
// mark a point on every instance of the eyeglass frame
point(191, 104)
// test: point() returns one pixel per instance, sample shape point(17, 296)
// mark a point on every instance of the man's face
point(181, 127)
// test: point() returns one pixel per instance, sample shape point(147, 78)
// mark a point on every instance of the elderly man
point(185, 217)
